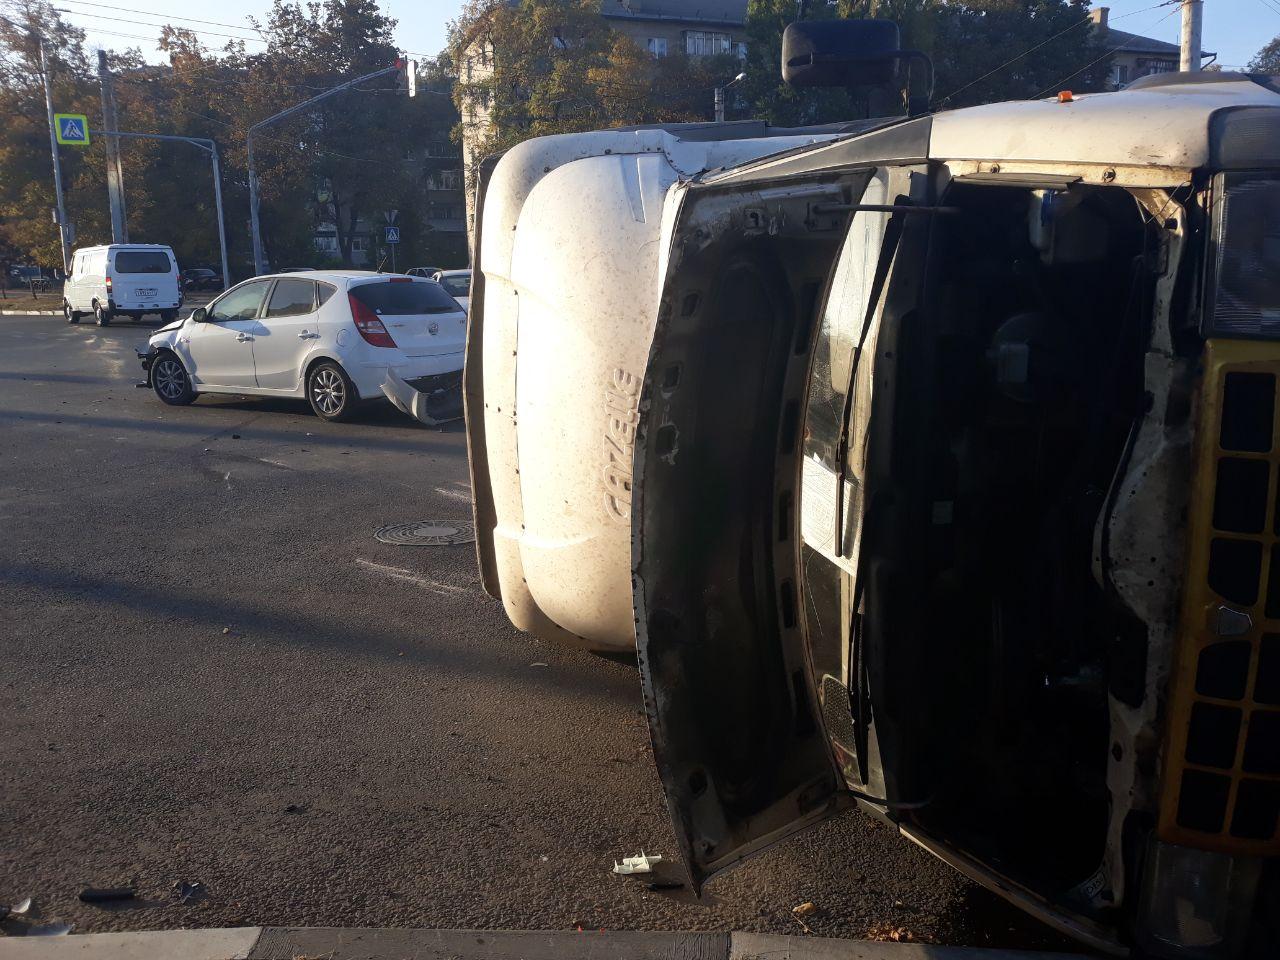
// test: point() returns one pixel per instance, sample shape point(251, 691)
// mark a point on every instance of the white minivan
point(128, 279)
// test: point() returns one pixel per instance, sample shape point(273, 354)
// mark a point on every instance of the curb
point(30, 313)
point(394, 943)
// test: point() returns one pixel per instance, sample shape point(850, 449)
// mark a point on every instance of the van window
point(400, 299)
point(142, 261)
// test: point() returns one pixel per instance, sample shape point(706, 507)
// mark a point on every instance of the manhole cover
point(427, 533)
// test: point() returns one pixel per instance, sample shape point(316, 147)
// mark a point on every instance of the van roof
point(125, 246)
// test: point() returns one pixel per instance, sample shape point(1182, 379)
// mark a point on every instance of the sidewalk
point(391, 943)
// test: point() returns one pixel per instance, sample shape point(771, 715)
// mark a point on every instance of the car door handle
point(243, 338)
point(307, 336)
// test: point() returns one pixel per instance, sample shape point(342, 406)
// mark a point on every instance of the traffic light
point(407, 77)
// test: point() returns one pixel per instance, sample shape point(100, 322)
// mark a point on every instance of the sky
point(1234, 29)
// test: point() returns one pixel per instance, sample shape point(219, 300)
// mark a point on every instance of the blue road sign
point(72, 128)
point(393, 234)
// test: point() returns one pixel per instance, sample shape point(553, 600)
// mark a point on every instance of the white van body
point(132, 279)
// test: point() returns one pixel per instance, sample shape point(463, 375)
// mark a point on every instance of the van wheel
point(102, 315)
point(73, 316)
point(170, 381)
point(331, 392)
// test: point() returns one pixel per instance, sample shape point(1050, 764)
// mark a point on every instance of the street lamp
point(720, 96)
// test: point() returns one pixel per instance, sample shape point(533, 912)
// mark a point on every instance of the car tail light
point(369, 324)
point(108, 284)
point(401, 279)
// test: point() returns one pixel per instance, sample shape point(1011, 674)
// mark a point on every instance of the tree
point(982, 51)
point(26, 176)
point(1267, 60)
point(542, 67)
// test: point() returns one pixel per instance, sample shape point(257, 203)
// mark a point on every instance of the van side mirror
point(851, 53)
point(200, 315)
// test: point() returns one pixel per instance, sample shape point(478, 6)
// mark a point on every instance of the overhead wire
point(1076, 73)
point(1043, 43)
point(149, 13)
point(169, 17)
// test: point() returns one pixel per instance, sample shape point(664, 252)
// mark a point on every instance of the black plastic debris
point(106, 894)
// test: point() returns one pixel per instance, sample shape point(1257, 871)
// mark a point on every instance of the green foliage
point(344, 161)
point(1267, 60)
point(540, 67)
point(971, 43)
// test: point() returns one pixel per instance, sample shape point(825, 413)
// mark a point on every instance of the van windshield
point(142, 261)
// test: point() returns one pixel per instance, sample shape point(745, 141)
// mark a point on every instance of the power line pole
point(1192, 17)
point(210, 148)
point(57, 167)
point(115, 171)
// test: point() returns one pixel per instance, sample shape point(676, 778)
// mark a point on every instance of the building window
point(358, 245)
point(740, 50)
point(657, 46)
point(702, 43)
point(444, 180)
point(1122, 74)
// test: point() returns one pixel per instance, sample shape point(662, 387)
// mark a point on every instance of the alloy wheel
point(170, 379)
point(328, 391)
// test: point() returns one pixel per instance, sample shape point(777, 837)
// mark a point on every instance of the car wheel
point(101, 315)
point(73, 316)
point(170, 381)
point(168, 316)
point(331, 392)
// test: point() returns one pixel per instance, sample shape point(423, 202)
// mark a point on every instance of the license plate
point(145, 292)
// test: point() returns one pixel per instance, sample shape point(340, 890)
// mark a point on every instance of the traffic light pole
point(212, 149)
point(259, 260)
point(57, 166)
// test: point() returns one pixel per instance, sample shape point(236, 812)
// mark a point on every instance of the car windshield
point(457, 286)
point(142, 261)
point(403, 299)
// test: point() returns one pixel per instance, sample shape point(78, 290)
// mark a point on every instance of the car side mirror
point(200, 315)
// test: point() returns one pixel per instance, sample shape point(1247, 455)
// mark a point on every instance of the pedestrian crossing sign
point(393, 234)
point(72, 128)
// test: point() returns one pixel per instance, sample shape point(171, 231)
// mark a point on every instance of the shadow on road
point(411, 646)
point(209, 431)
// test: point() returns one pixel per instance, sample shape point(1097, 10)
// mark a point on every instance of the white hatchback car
point(333, 337)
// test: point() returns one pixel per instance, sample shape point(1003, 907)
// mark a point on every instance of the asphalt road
point(212, 672)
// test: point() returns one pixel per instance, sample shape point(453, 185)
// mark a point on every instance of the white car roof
point(332, 276)
point(455, 273)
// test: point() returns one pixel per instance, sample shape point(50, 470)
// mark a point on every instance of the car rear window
point(403, 299)
point(142, 261)
point(458, 286)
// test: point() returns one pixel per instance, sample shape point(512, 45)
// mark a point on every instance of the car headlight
point(1244, 291)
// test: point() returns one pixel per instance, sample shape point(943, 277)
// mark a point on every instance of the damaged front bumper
point(147, 355)
point(433, 400)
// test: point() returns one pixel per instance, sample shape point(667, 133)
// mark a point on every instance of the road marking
point(464, 494)
point(408, 576)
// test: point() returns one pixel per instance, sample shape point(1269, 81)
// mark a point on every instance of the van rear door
point(143, 279)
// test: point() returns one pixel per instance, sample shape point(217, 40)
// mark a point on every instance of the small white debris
point(641, 864)
point(537, 663)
